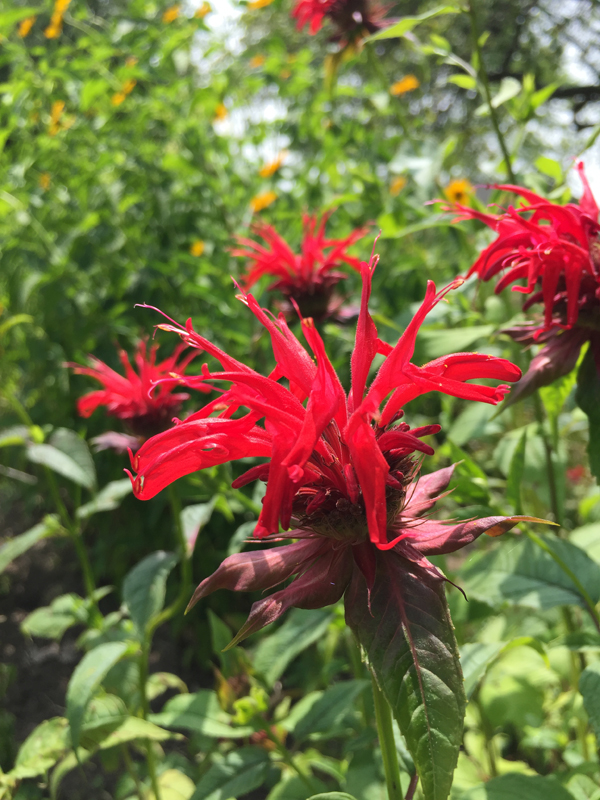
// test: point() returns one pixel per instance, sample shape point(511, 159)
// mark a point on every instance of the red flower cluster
point(142, 399)
point(555, 250)
point(307, 279)
point(352, 18)
point(340, 468)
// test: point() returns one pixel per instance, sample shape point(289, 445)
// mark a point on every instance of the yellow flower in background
point(129, 86)
point(171, 14)
point(272, 167)
point(459, 191)
point(58, 106)
point(131, 61)
point(220, 112)
point(54, 29)
point(204, 9)
point(285, 74)
point(257, 61)
point(44, 181)
point(262, 200)
point(197, 247)
point(407, 84)
point(258, 4)
point(118, 98)
point(397, 185)
point(25, 26)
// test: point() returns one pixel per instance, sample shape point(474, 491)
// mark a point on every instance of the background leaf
point(145, 585)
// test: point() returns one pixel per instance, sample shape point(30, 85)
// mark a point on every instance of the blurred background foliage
point(137, 140)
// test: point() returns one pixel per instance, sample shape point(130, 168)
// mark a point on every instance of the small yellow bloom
point(257, 61)
point(60, 6)
point(285, 74)
point(58, 106)
point(220, 112)
point(272, 167)
point(25, 26)
point(407, 84)
point(203, 10)
point(118, 98)
point(131, 61)
point(129, 86)
point(197, 247)
point(459, 191)
point(170, 14)
point(44, 181)
point(258, 4)
point(53, 30)
point(262, 200)
point(397, 185)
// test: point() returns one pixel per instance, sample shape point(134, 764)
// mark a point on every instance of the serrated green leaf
point(144, 587)
point(407, 24)
point(413, 653)
point(589, 686)
point(239, 772)
point(201, 713)
point(107, 499)
point(301, 629)
point(587, 397)
point(86, 678)
point(15, 547)
point(523, 574)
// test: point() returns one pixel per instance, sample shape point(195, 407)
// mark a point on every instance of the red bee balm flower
point(341, 473)
point(352, 18)
point(307, 279)
point(555, 250)
point(137, 398)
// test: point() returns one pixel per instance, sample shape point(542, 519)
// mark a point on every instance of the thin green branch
point(385, 731)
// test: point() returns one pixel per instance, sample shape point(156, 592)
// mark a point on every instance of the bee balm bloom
point(143, 398)
point(307, 279)
point(340, 468)
point(353, 19)
point(554, 250)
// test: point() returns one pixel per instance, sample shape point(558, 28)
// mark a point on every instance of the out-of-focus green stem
point(145, 709)
point(385, 731)
point(357, 670)
point(383, 80)
point(129, 766)
point(483, 77)
point(550, 470)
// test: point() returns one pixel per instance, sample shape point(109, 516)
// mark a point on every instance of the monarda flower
point(554, 251)
point(142, 399)
point(341, 478)
point(308, 279)
point(353, 19)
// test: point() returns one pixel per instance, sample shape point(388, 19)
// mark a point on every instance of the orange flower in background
point(197, 248)
point(44, 181)
point(407, 84)
point(258, 4)
point(262, 200)
point(25, 26)
point(203, 10)
point(257, 61)
point(459, 191)
point(171, 14)
point(118, 98)
point(54, 29)
point(131, 61)
point(55, 114)
point(397, 185)
point(271, 168)
point(129, 86)
point(221, 112)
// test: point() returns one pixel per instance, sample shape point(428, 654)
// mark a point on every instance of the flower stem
point(144, 709)
point(550, 470)
point(412, 787)
point(483, 76)
point(385, 731)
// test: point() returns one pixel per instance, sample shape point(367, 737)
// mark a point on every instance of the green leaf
point(589, 686)
point(11, 549)
point(477, 657)
point(406, 24)
point(519, 787)
point(76, 448)
point(549, 167)
point(332, 796)
point(509, 88)
point(160, 682)
point(51, 622)
point(301, 629)
point(523, 574)
point(127, 729)
point(175, 785)
point(330, 709)
point(516, 472)
point(43, 748)
point(58, 461)
point(145, 585)
point(588, 538)
point(435, 343)
point(107, 499)
point(8, 18)
point(238, 773)
point(587, 397)
point(193, 519)
point(86, 678)
point(201, 713)
point(464, 81)
point(16, 434)
point(412, 650)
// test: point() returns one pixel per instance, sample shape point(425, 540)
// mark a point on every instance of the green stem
point(385, 731)
point(550, 470)
point(483, 76)
point(129, 766)
point(145, 708)
point(357, 670)
point(289, 759)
